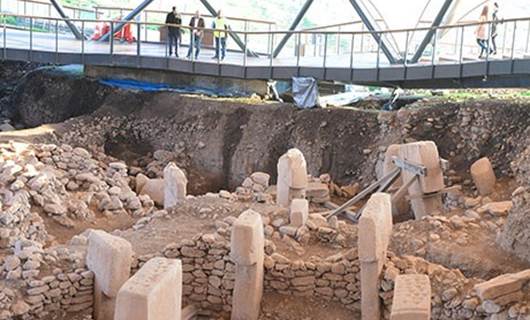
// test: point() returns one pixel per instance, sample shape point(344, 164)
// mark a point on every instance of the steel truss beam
point(293, 27)
point(428, 37)
point(75, 31)
point(127, 18)
point(377, 37)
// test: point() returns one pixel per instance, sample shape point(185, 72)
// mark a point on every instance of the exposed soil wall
point(226, 140)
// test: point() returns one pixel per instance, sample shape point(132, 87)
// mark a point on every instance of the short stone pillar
point(375, 230)
point(426, 154)
point(292, 177)
point(483, 176)
point(401, 206)
point(247, 251)
point(412, 298)
point(153, 293)
point(299, 212)
point(175, 183)
point(109, 258)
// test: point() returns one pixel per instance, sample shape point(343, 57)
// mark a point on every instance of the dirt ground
point(275, 306)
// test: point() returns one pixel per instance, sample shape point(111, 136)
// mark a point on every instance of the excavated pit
point(220, 142)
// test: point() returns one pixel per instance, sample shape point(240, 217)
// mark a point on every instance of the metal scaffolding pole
point(127, 18)
point(428, 37)
point(377, 36)
point(63, 15)
point(232, 34)
point(293, 27)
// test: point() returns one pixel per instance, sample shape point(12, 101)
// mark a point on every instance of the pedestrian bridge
point(432, 57)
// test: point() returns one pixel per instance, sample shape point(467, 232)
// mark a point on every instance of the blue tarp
point(149, 86)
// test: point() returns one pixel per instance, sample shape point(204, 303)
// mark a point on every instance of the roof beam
point(127, 18)
point(293, 27)
point(377, 36)
point(435, 24)
point(73, 28)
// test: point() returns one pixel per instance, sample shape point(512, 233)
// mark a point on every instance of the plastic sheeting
point(305, 92)
point(149, 86)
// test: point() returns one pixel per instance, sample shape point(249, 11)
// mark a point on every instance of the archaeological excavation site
point(126, 204)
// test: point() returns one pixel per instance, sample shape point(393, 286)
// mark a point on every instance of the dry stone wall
point(208, 274)
point(334, 278)
point(456, 297)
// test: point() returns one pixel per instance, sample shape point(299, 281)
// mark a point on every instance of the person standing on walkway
point(197, 25)
point(494, 25)
point(481, 32)
point(173, 32)
point(220, 36)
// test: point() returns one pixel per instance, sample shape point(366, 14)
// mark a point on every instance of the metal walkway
point(450, 59)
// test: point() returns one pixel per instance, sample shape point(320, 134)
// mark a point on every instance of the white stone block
point(299, 212)
point(247, 241)
point(110, 258)
point(247, 251)
point(424, 153)
point(292, 169)
point(412, 298)
point(175, 184)
point(153, 293)
point(483, 176)
point(375, 228)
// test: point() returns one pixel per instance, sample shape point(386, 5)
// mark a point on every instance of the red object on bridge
point(103, 28)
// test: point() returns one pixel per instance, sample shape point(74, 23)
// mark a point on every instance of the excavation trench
point(220, 142)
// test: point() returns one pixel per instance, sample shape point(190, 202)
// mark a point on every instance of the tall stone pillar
point(247, 250)
point(402, 206)
point(175, 183)
point(412, 298)
point(110, 258)
point(483, 176)
point(292, 177)
point(375, 230)
point(426, 154)
point(153, 293)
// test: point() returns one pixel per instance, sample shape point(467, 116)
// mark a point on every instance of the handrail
point(97, 8)
point(275, 32)
point(333, 25)
point(64, 6)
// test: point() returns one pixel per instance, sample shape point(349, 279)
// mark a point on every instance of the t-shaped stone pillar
point(292, 177)
point(110, 258)
point(175, 183)
point(153, 293)
point(402, 205)
point(247, 251)
point(375, 230)
point(423, 153)
point(412, 298)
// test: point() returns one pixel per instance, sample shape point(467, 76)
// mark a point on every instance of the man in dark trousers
point(197, 24)
point(219, 24)
point(173, 33)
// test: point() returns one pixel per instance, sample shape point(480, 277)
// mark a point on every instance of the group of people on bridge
point(486, 35)
point(197, 25)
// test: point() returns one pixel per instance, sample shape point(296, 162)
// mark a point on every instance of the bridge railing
point(342, 49)
point(151, 32)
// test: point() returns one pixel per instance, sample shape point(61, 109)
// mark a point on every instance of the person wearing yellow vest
point(220, 36)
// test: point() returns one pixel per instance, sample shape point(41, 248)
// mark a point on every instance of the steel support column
point(428, 37)
point(127, 18)
point(293, 27)
point(75, 31)
point(377, 36)
point(232, 34)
